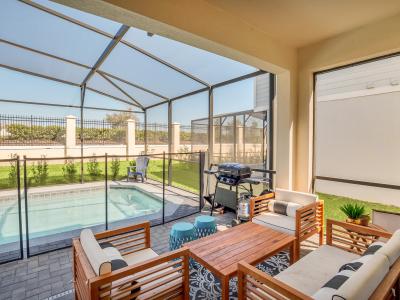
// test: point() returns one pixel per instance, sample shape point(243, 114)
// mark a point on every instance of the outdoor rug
point(204, 285)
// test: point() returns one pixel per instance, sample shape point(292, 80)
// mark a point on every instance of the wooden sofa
point(307, 221)
point(146, 276)
point(378, 277)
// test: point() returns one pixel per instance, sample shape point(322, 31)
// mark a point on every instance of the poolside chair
point(120, 264)
point(142, 162)
point(296, 213)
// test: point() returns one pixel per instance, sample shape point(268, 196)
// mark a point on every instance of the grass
point(332, 204)
point(185, 175)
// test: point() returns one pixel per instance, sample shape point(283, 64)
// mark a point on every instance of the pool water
point(62, 211)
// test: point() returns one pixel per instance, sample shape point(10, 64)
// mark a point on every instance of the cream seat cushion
point(276, 221)
point(311, 272)
point(140, 256)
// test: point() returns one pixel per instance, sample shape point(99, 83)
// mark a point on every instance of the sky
point(30, 27)
point(19, 86)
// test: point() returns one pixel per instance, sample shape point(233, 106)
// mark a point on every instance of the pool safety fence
point(48, 201)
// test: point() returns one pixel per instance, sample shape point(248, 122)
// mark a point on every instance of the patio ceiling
point(52, 41)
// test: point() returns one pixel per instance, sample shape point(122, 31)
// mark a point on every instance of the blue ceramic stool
point(205, 225)
point(181, 233)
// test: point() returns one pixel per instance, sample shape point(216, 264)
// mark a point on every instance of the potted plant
point(355, 213)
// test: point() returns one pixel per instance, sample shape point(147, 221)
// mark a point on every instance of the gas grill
point(233, 173)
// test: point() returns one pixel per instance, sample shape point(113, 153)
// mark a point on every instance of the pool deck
point(178, 203)
point(49, 276)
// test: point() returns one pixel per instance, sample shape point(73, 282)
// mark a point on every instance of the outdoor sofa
point(119, 264)
point(352, 265)
point(296, 213)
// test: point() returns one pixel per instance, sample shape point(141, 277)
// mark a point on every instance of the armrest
point(127, 239)
point(157, 278)
point(130, 168)
point(253, 283)
point(351, 237)
point(306, 220)
point(259, 204)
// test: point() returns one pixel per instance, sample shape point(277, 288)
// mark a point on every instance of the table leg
point(225, 288)
point(293, 252)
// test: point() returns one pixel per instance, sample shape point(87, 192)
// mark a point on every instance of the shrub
point(115, 165)
point(69, 170)
point(12, 172)
point(40, 171)
point(19, 132)
point(93, 168)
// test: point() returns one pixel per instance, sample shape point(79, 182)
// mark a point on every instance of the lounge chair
point(352, 265)
point(119, 264)
point(295, 213)
point(142, 162)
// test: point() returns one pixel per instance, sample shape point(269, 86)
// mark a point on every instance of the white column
point(70, 134)
point(175, 137)
point(130, 136)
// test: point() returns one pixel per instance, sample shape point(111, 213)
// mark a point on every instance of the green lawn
point(184, 175)
point(332, 204)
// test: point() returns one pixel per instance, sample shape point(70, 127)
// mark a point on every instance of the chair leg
point(297, 250)
point(321, 235)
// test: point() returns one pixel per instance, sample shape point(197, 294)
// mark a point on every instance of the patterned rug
point(204, 285)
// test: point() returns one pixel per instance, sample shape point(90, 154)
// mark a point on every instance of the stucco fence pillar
point(175, 137)
point(130, 136)
point(70, 135)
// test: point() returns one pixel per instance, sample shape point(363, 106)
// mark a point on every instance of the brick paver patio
point(49, 276)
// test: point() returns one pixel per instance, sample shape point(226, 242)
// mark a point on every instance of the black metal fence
point(101, 132)
point(157, 134)
point(31, 130)
point(55, 206)
point(11, 237)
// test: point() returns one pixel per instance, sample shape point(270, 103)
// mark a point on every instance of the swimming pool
point(62, 211)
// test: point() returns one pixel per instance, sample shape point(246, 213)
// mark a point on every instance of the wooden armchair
point(255, 284)
point(308, 219)
point(161, 277)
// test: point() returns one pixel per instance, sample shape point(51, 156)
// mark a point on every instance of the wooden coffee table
point(247, 242)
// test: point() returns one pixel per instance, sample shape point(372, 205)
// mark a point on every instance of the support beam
point(135, 102)
point(169, 143)
point(190, 94)
point(142, 51)
point(210, 126)
point(44, 54)
point(111, 96)
point(165, 63)
point(133, 84)
point(145, 131)
point(66, 105)
point(83, 92)
point(117, 38)
point(240, 78)
point(38, 75)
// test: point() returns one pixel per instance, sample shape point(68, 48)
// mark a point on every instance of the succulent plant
point(353, 210)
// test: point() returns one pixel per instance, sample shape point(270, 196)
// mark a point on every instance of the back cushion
point(392, 247)
point(283, 207)
point(362, 283)
point(96, 256)
point(296, 197)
